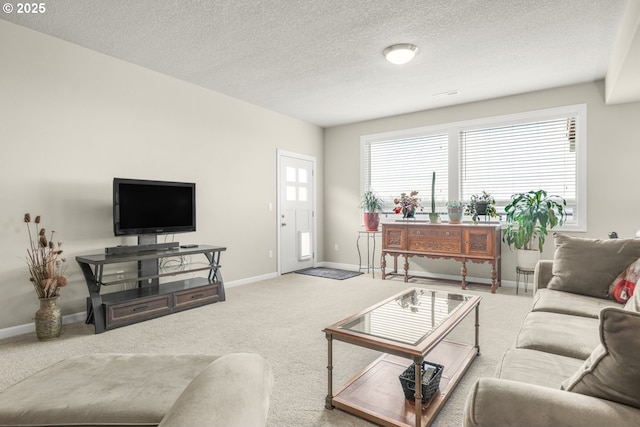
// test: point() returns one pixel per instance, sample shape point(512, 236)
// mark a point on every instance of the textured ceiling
point(321, 61)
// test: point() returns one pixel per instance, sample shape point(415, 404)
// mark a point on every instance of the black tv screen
point(153, 207)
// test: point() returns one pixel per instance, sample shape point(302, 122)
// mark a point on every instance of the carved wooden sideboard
point(478, 243)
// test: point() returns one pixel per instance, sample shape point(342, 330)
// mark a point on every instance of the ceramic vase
point(48, 319)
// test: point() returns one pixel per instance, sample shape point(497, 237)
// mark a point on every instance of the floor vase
point(48, 319)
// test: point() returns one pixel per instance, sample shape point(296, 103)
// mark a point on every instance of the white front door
point(296, 218)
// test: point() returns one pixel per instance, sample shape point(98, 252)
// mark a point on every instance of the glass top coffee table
point(410, 325)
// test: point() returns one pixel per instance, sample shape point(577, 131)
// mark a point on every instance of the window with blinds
point(404, 165)
point(503, 155)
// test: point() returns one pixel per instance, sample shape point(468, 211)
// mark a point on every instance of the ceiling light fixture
point(400, 53)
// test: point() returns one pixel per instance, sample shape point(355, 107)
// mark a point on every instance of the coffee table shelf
point(375, 394)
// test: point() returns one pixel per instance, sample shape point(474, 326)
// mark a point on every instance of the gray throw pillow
point(588, 266)
point(612, 372)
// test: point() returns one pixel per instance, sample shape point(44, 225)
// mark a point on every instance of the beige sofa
point(143, 390)
point(576, 360)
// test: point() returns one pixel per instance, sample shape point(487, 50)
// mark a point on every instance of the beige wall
point(613, 155)
point(72, 119)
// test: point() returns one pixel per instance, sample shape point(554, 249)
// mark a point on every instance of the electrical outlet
point(270, 253)
point(336, 247)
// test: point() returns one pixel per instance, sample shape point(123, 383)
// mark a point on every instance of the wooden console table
point(478, 243)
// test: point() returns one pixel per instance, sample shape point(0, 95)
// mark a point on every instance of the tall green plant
point(371, 202)
point(433, 192)
point(530, 216)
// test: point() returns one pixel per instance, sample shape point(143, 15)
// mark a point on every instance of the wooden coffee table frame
point(375, 393)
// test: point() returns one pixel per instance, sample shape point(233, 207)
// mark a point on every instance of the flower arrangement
point(407, 203)
point(46, 265)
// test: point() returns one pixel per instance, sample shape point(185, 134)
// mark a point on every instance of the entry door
point(296, 212)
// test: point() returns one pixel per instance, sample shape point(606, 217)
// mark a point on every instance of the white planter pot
point(527, 260)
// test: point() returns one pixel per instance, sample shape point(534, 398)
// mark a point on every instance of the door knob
point(283, 224)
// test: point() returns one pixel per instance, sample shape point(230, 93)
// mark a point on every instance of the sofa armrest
point(542, 274)
point(233, 391)
point(497, 402)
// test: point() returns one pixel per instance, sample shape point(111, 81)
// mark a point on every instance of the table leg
point(494, 278)
point(463, 272)
point(406, 268)
point(478, 328)
point(373, 258)
point(418, 393)
point(383, 265)
point(329, 400)
point(359, 256)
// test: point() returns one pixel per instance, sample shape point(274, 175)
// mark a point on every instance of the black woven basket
point(430, 383)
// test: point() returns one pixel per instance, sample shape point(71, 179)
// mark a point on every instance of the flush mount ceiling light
point(400, 53)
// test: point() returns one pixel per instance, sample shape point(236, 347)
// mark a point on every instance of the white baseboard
point(78, 317)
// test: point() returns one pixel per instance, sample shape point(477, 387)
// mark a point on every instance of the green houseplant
point(372, 205)
point(529, 217)
point(483, 204)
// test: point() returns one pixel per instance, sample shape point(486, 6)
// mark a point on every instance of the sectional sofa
point(576, 360)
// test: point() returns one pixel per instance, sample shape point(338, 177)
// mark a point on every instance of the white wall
point(613, 152)
point(72, 119)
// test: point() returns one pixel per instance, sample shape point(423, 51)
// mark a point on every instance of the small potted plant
point(372, 205)
point(434, 217)
point(530, 216)
point(407, 204)
point(483, 204)
point(455, 209)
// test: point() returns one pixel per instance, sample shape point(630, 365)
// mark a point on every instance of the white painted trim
point(80, 317)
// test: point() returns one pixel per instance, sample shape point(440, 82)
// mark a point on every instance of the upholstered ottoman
point(142, 390)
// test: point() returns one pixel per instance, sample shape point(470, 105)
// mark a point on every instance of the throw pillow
point(588, 266)
point(623, 286)
point(612, 371)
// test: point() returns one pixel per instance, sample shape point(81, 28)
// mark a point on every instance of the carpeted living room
point(250, 143)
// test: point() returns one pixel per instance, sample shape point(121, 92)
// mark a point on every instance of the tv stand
point(149, 298)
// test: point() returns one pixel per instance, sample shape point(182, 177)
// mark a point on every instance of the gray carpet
point(281, 319)
point(329, 273)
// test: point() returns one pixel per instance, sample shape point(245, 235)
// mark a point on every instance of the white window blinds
point(517, 158)
point(402, 165)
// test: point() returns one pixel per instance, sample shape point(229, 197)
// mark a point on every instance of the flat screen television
point(153, 207)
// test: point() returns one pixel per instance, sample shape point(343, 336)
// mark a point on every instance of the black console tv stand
point(149, 298)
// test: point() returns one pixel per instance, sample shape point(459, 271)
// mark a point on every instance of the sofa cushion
point(568, 303)
point(101, 389)
point(537, 367)
point(571, 336)
point(588, 266)
point(233, 391)
point(612, 371)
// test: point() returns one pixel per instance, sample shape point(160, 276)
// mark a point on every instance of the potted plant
point(407, 204)
point(46, 270)
point(434, 217)
point(455, 209)
point(530, 216)
point(483, 204)
point(372, 205)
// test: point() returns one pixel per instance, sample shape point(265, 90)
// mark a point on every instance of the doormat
point(329, 273)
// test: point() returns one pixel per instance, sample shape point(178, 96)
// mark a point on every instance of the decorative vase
point(371, 221)
point(455, 215)
point(48, 319)
point(527, 259)
point(408, 213)
point(434, 217)
point(481, 207)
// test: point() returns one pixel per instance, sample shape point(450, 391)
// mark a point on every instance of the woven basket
point(429, 385)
